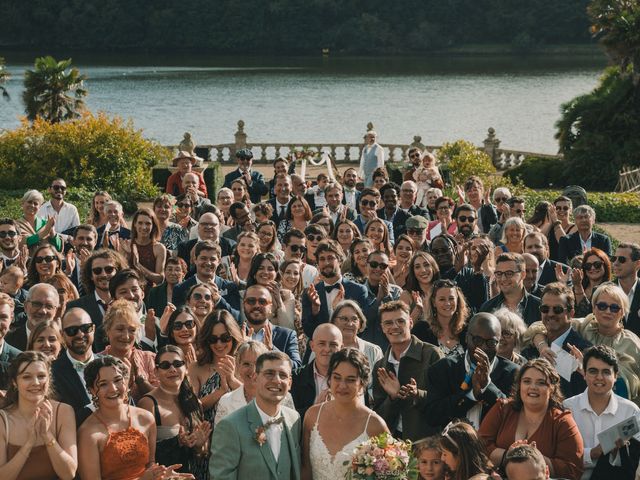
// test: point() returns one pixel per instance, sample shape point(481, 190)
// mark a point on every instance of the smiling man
point(41, 305)
point(66, 214)
point(584, 238)
point(468, 385)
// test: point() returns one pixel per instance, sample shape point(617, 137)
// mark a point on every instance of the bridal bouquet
point(383, 458)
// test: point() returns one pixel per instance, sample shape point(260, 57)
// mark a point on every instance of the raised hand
point(408, 390)
point(480, 377)
point(267, 338)
point(418, 309)
point(552, 213)
point(339, 297)
point(561, 275)
point(314, 298)
point(274, 289)
point(389, 382)
point(70, 260)
point(226, 366)
point(150, 324)
point(166, 314)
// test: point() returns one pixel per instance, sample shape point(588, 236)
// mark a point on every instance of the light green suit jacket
point(236, 454)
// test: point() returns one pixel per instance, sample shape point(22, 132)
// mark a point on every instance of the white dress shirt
point(273, 432)
point(66, 218)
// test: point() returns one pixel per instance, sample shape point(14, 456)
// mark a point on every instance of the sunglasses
point(500, 199)
point(298, 248)
point(73, 331)
point(562, 209)
point(556, 309)
point(519, 211)
point(613, 308)
point(189, 324)
point(108, 270)
point(201, 296)
point(46, 259)
point(313, 238)
point(10, 234)
point(58, 187)
point(479, 341)
point(614, 258)
point(414, 155)
point(183, 205)
point(224, 338)
point(166, 364)
point(368, 203)
point(263, 302)
point(464, 219)
point(415, 231)
point(382, 266)
point(590, 265)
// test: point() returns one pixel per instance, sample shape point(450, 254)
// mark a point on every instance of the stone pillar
point(240, 139)
point(491, 144)
point(417, 142)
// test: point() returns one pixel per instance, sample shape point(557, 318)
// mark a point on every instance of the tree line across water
point(291, 26)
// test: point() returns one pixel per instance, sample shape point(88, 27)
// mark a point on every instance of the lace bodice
point(327, 467)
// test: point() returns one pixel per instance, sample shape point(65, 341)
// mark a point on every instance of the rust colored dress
point(125, 455)
point(147, 259)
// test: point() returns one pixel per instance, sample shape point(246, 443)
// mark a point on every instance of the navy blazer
point(570, 245)
point(229, 295)
point(9, 352)
point(548, 274)
point(303, 388)
point(89, 304)
point(157, 298)
point(286, 340)
point(489, 216)
point(530, 306)
point(67, 384)
point(257, 188)
point(123, 233)
point(632, 321)
point(184, 248)
point(577, 385)
point(447, 401)
point(399, 220)
point(352, 291)
point(361, 223)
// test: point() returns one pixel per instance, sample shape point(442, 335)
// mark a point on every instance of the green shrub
point(11, 201)
point(92, 152)
point(462, 159)
point(539, 172)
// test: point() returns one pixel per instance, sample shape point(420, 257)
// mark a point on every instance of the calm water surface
point(330, 99)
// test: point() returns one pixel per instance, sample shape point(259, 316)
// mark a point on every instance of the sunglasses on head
point(465, 219)
point(614, 258)
point(556, 309)
point(45, 259)
point(73, 330)
point(10, 234)
point(382, 266)
point(589, 265)
point(368, 203)
point(201, 296)
point(613, 308)
point(108, 270)
point(314, 238)
point(224, 338)
point(260, 301)
point(298, 248)
point(189, 324)
point(166, 364)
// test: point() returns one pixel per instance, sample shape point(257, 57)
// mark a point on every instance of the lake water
point(330, 99)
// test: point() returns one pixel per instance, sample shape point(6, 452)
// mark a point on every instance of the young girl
point(429, 455)
point(464, 454)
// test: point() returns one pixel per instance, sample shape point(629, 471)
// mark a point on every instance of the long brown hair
point(552, 377)
point(17, 366)
point(205, 355)
point(412, 284)
point(459, 318)
point(463, 441)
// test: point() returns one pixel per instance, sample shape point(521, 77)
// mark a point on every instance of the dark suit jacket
point(303, 389)
point(9, 352)
point(548, 274)
point(632, 322)
point(416, 364)
point(184, 248)
point(124, 233)
point(446, 400)
point(229, 301)
point(75, 278)
point(157, 299)
point(530, 307)
point(352, 291)
point(577, 384)
point(89, 304)
point(489, 216)
point(398, 222)
point(67, 384)
point(570, 246)
point(286, 340)
point(275, 216)
point(17, 334)
point(358, 194)
point(257, 188)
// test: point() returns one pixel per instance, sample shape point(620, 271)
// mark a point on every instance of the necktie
point(283, 211)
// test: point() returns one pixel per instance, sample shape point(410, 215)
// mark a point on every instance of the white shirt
point(586, 245)
point(350, 197)
point(79, 367)
point(331, 296)
point(590, 424)
point(321, 381)
point(66, 218)
point(273, 432)
point(560, 340)
point(396, 367)
point(279, 207)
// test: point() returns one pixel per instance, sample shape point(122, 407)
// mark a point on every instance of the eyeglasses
point(507, 273)
point(298, 248)
point(208, 224)
point(400, 322)
point(224, 338)
point(562, 209)
point(188, 324)
point(368, 203)
point(380, 265)
point(465, 219)
point(201, 296)
point(73, 330)
point(415, 231)
point(313, 238)
point(613, 308)
point(345, 319)
point(556, 309)
point(109, 269)
point(263, 302)
point(45, 259)
point(166, 364)
point(619, 258)
point(38, 305)
point(10, 234)
point(479, 341)
point(183, 205)
point(592, 265)
point(62, 188)
point(444, 207)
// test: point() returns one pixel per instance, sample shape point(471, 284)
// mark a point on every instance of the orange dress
point(125, 455)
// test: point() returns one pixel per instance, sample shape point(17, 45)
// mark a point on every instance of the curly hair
point(104, 253)
point(552, 378)
point(355, 358)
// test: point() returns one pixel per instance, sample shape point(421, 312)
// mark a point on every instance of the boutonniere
point(261, 436)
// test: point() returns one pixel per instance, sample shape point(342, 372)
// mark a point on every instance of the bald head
point(78, 333)
point(75, 316)
point(327, 339)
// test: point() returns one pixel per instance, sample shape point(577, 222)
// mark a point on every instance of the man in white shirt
point(66, 214)
point(598, 408)
point(351, 194)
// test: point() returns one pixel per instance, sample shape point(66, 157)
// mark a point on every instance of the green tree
point(53, 90)
point(4, 76)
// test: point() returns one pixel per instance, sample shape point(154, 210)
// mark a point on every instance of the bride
point(334, 428)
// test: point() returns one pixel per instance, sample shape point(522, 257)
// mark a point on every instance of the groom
point(262, 439)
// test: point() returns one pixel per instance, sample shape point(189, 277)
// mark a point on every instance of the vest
point(284, 466)
point(370, 164)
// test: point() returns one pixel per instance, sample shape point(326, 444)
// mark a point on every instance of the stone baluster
point(277, 152)
point(491, 144)
point(263, 154)
point(240, 139)
point(347, 153)
point(417, 142)
point(219, 155)
point(332, 152)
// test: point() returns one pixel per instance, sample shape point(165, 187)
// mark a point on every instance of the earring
point(95, 401)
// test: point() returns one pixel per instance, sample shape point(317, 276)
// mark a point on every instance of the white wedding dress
point(324, 466)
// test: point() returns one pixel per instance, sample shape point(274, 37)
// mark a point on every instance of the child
point(11, 281)
point(430, 166)
point(318, 190)
point(422, 180)
point(463, 453)
point(429, 455)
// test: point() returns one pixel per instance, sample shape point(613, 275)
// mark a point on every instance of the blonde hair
point(121, 310)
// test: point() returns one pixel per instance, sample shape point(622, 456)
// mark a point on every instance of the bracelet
point(540, 343)
point(557, 223)
point(51, 443)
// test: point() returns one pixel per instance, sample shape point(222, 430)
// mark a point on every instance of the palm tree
point(52, 91)
point(4, 76)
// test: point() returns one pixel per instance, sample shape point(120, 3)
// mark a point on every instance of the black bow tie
point(329, 288)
